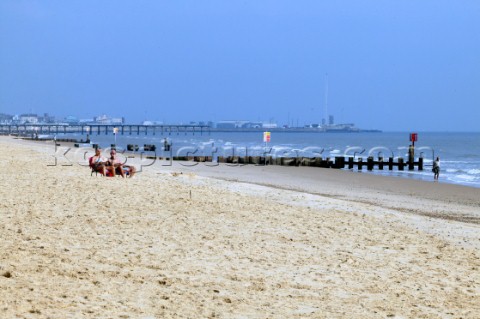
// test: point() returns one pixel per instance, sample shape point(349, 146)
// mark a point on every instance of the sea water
point(459, 152)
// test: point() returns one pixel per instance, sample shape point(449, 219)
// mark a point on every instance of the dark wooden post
point(339, 162)
point(420, 163)
point(370, 163)
point(411, 156)
point(350, 162)
point(380, 163)
point(360, 163)
point(390, 163)
point(411, 164)
point(401, 164)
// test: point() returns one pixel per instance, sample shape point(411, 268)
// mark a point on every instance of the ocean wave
point(465, 178)
point(474, 171)
point(458, 162)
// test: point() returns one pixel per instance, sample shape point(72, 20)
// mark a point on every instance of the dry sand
point(223, 242)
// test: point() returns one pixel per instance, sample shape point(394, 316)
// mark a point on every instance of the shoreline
point(364, 172)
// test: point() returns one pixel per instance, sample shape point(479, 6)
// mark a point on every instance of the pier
point(98, 129)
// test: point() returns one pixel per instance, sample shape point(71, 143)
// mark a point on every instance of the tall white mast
point(326, 98)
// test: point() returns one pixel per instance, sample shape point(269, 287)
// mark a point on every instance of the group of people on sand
point(112, 165)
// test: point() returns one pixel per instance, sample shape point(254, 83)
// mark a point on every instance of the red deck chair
point(92, 167)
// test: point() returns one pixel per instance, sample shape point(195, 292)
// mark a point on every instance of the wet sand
point(232, 242)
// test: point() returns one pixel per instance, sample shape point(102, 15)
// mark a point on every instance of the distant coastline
point(294, 130)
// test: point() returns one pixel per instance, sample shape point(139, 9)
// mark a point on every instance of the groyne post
point(339, 162)
point(401, 164)
point(370, 163)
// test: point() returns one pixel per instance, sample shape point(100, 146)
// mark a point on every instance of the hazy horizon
point(394, 66)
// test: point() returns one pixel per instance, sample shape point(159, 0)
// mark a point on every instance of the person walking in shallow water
point(436, 168)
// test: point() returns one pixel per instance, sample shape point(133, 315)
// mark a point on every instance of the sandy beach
point(231, 242)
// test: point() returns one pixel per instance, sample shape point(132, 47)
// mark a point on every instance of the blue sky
point(392, 65)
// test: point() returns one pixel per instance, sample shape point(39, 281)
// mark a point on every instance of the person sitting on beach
point(436, 169)
point(119, 166)
point(98, 162)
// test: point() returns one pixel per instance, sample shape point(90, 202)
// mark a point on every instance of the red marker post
point(413, 138)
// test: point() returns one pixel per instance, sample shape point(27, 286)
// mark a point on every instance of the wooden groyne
point(370, 163)
point(339, 162)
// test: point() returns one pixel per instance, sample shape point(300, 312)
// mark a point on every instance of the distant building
point(6, 118)
point(28, 119)
point(244, 124)
point(104, 119)
point(101, 119)
point(232, 124)
point(86, 121)
point(253, 125)
point(269, 125)
point(117, 120)
point(330, 120)
point(46, 118)
point(71, 120)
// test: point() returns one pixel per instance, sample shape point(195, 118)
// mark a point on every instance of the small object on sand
point(7, 274)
